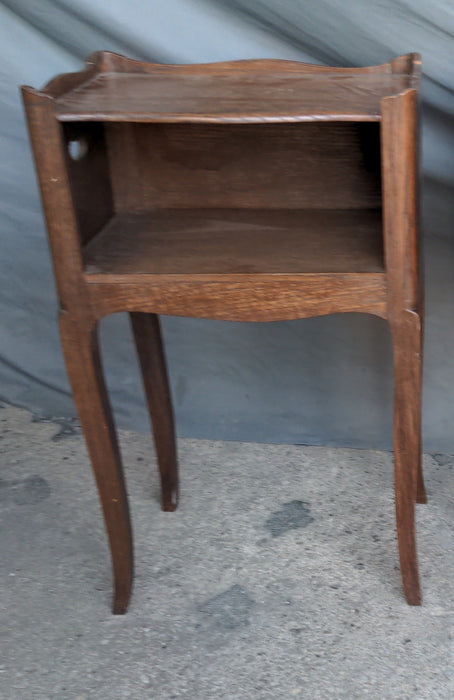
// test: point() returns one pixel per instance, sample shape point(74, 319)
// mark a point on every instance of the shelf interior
point(236, 242)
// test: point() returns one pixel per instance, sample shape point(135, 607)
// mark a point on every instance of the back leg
point(420, 488)
point(406, 334)
point(150, 350)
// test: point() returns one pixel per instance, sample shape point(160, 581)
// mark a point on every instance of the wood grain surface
point(267, 166)
point(227, 96)
point(235, 241)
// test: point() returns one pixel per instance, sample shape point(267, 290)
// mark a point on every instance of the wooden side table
point(247, 191)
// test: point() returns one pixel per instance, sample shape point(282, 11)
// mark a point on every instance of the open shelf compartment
point(236, 241)
point(227, 199)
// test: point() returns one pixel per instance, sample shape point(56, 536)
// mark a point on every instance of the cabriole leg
point(81, 351)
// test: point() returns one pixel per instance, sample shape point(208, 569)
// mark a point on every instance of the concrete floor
point(276, 578)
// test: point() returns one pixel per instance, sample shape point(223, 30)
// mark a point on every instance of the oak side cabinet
point(256, 190)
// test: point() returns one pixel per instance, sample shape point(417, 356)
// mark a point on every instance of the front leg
point(80, 347)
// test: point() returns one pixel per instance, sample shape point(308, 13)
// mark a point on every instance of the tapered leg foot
point(80, 347)
point(406, 333)
point(150, 351)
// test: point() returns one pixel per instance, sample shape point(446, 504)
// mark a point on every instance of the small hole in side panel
point(77, 148)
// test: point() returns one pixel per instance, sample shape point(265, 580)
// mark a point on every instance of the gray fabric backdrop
point(324, 380)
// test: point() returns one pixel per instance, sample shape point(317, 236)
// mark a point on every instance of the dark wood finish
point(246, 298)
point(222, 242)
point(80, 347)
point(254, 91)
point(50, 154)
point(265, 166)
point(89, 177)
point(248, 190)
point(79, 337)
point(401, 240)
point(421, 496)
point(406, 334)
point(150, 351)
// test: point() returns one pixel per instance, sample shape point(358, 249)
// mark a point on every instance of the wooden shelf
point(224, 94)
point(235, 242)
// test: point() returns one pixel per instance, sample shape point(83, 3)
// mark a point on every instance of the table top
point(234, 92)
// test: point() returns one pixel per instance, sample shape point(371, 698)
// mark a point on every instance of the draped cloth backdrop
point(324, 380)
